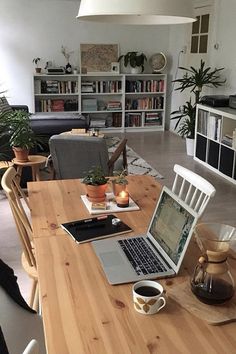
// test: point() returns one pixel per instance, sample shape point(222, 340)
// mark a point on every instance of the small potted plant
point(36, 62)
point(20, 134)
point(135, 60)
point(96, 185)
point(120, 182)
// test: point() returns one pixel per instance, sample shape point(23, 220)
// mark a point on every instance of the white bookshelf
point(214, 144)
point(120, 102)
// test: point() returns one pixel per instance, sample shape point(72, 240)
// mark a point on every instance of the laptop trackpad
point(111, 259)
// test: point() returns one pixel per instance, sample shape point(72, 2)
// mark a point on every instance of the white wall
point(224, 14)
point(30, 29)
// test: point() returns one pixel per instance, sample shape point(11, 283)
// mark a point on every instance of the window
point(200, 32)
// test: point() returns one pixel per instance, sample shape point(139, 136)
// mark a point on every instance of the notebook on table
point(157, 254)
point(86, 230)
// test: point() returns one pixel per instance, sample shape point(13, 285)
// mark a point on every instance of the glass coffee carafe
point(212, 282)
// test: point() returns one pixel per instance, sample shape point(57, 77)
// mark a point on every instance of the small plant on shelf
point(36, 63)
point(134, 59)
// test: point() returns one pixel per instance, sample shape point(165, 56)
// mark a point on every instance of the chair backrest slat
point(14, 194)
point(193, 189)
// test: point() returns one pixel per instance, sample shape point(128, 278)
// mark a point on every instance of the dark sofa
point(52, 125)
point(45, 126)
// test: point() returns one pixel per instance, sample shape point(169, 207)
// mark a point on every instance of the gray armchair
point(74, 155)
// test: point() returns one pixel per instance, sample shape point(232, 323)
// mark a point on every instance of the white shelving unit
point(113, 101)
point(214, 146)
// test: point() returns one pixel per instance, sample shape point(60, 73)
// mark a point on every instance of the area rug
point(136, 165)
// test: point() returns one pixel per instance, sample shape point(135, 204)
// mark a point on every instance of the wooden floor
point(162, 151)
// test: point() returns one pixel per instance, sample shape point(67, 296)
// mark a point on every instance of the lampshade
point(137, 12)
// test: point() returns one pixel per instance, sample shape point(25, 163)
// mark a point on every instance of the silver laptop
point(159, 253)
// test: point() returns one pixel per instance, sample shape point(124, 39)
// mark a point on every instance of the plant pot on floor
point(96, 194)
point(190, 146)
point(21, 154)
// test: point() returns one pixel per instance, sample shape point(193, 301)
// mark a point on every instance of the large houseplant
point(135, 60)
point(96, 185)
point(16, 126)
point(195, 80)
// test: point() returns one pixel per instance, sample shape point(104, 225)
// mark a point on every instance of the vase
point(68, 68)
point(136, 70)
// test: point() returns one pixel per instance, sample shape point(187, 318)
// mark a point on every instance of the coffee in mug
point(147, 297)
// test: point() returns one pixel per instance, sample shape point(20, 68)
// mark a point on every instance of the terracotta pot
point(38, 70)
point(117, 188)
point(21, 154)
point(96, 194)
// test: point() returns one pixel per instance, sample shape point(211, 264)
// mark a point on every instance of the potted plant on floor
point(135, 60)
point(21, 136)
point(96, 185)
point(119, 183)
point(195, 80)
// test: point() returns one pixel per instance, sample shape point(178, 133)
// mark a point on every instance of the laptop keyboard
point(141, 256)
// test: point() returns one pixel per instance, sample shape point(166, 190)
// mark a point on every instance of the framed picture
point(115, 67)
point(97, 58)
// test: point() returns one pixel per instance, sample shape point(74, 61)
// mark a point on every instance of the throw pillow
point(4, 106)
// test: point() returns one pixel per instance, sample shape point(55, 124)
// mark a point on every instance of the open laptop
point(166, 242)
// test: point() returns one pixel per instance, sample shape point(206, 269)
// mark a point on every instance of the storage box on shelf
point(215, 140)
point(113, 101)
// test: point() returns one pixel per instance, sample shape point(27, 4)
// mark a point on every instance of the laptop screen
point(171, 225)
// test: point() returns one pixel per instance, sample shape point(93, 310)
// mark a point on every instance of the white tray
point(111, 205)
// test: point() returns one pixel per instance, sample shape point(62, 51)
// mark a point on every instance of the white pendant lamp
point(137, 12)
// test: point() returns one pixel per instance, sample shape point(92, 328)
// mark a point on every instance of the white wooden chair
point(15, 195)
point(193, 189)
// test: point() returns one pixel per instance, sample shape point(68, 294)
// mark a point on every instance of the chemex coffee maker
point(212, 282)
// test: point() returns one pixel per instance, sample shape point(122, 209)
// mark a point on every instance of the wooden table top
point(82, 313)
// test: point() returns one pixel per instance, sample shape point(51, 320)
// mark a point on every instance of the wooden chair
point(193, 189)
point(74, 155)
point(15, 195)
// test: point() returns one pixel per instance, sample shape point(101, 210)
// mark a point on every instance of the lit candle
point(122, 199)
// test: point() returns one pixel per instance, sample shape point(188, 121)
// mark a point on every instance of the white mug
point(147, 297)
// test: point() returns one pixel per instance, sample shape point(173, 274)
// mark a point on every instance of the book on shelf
point(58, 87)
point(144, 86)
point(97, 123)
point(116, 119)
point(113, 105)
point(144, 103)
point(133, 119)
point(214, 127)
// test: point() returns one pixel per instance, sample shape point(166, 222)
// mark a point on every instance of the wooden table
point(35, 161)
point(82, 313)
